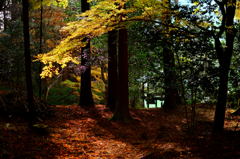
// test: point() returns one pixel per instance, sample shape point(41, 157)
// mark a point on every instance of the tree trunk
point(221, 100)
point(122, 108)
point(224, 57)
point(4, 19)
point(112, 70)
point(14, 9)
point(2, 3)
point(40, 49)
point(170, 81)
point(86, 98)
point(25, 13)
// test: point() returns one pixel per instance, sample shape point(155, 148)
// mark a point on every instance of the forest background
point(122, 53)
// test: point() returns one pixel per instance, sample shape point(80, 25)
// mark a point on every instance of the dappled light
point(116, 79)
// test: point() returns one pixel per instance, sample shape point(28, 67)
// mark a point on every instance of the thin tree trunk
point(40, 49)
point(4, 18)
point(25, 12)
point(122, 108)
point(181, 80)
point(112, 70)
point(86, 98)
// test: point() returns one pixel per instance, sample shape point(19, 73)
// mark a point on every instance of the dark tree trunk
point(14, 10)
point(2, 3)
point(221, 100)
point(170, 79)
point(84, 5)
point(224, 57)
point(122, 108)
point(112, 70)
point(86, 98)
point(25, 8)
point(171, 92)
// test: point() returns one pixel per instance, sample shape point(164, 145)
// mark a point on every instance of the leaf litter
point(77, 133)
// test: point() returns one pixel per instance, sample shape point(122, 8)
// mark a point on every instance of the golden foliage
point(104, 16)
point(237, 14)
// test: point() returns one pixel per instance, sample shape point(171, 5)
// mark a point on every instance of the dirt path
point(77, 133)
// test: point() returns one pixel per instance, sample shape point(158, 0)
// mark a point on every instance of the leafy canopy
point(104, 16)
point(107, 15)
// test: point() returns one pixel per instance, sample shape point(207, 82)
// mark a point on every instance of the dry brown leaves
point(78, 133)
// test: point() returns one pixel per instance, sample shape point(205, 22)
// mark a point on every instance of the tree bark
point(224, 57)
point(122, 107)
point(112, 70)
point(40, 49)
point(27, 55)
point(170, 77)
point(170, 81)
point(86, 98)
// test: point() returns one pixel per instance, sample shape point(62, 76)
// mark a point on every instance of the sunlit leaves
point(106, 15)
point(103, 17)
point(237, 14)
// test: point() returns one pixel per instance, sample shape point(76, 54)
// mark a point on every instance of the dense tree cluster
point(123, 53)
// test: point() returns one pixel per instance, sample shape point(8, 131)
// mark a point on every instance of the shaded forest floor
point(77, 133)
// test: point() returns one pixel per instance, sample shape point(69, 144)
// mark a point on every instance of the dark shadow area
point(17, 140)
point(206, 145)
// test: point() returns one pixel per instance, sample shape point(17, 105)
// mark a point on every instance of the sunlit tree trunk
point(25, 18)
point(112, 70)
point(86, 98)
point(122, 107)
point(224, 57)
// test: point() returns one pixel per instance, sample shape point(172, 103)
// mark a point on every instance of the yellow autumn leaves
point(105, 16)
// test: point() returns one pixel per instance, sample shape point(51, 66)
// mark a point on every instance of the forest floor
point(74, 132)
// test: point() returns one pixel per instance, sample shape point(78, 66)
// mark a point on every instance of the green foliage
point(35, 4)
point(62, 95)
point(191, 31)
point(11, 52)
